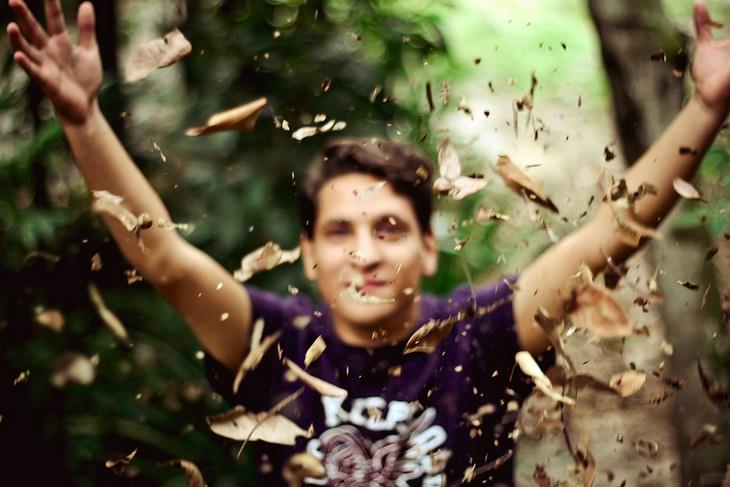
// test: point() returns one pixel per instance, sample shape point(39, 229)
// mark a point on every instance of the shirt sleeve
point(277, 314)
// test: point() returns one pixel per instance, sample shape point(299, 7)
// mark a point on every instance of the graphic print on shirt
point(411, 452)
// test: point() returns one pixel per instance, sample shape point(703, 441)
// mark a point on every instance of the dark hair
point(404, 167)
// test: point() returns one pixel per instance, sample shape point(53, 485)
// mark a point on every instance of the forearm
point(678, 152)
point(106, 165)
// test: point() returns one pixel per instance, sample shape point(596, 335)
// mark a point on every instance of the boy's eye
point(389, 231)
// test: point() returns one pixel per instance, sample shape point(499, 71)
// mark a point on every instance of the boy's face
point(366, 232)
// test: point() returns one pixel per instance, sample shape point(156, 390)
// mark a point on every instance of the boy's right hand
point(69, 74)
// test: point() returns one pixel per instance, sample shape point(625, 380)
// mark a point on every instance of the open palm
point(711, 65)
point(70, 74)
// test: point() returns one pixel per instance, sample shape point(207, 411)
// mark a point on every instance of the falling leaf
point(689, 285)
point(314, 351)
point(73, 367)
point(592, 307)
point(156, 54)
point(96, 263)
point(529, 367)
point(518, 181)
point(686, 190)
point(50, 318)
point(361, 297)
point(464, 186)
point(256, 352)
point(716, 392)
point(628, 382)
point(429, 335)
point(371, 190)
point(684, 151)
point(162, 154)
point(243, 425)
point(119, 466)
point(192, 472)
point(319, 385)
point(302, 465)
point(109, 318)
point(485, 214)
point(448, 161)
point(242, 119)
point(112, 204)
point(263, 259)
point(429, 97)
point(484, 410)
point(631, 231)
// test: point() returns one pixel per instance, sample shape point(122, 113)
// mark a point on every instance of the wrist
point(81, 122)
point(719, 109)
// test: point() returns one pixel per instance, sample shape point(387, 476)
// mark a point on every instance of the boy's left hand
point(711, 64)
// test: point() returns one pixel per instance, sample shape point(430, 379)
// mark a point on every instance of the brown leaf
point(301, 465)
point(256, 352)
point(106, 315)
point(319, 385)
point(630, 231)
point(73, 367)
point(119, 466)
point(448, 161)
point(689, 285)
point(519, 182)
point(593, 308)
point(314, 351)
point(242, 119)
point(716, 392)
point(530, 368)
point(628, 382)
point(243, 425)
point(429, 335)
point(156, 54)
point(263, 259)
point(485, 214)
point(192, 472)
point(686, 190)
point(50, 318)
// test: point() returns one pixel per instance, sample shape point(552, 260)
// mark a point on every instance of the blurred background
point(609, 76)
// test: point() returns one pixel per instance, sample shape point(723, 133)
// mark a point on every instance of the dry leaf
point(301, 465)
point(256, 352)
point(112, 204)
point(242, 119)
point(592, 307)
point(530, 368)
point(361, 297)
point(630, 231)
point(314, 351)
point(322, 387)
point(628, 382)
point(50, 318)
point(119, 466)
point(485, 214)
point(518, 181)
point(263, 259)
point(73, 367)
point(241, 425)
point(716, 392)
point(96, 263)
point(429, 335)
point(448, 161)
point(156, 54)
point(192, 472)
point(464, 186)
point(686, 190)
point(371, 190)
point(109, 318)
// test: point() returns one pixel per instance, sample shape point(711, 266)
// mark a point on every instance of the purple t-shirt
point(408, 420)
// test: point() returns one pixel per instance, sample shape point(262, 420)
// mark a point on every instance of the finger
point(33, 69)
point(20, 44)
point(28, 24)
point(702, 22)
point(54, 17)
point(87, 25)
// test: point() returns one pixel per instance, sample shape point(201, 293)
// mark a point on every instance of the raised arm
point(692, 130)
point(70, 75)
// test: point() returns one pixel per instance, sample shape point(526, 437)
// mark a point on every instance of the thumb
point(702, 22)
point(87, 25)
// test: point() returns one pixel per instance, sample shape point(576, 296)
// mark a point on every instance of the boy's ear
point(308, 261)
point(430, 254)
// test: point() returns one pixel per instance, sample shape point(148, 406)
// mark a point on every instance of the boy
point(422, 418)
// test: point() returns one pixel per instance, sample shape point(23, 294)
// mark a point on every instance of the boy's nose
point(367, 251)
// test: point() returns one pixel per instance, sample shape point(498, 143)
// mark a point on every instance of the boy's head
point(406, 169)
point(367, 240)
